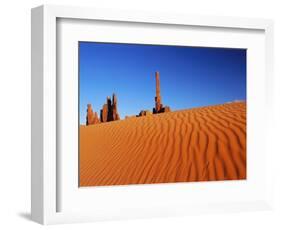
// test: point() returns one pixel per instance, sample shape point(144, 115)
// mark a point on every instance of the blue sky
point(189, 76)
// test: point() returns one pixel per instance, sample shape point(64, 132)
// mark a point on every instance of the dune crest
point(200, 144)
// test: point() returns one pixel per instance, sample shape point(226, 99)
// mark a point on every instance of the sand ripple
point(202, 144)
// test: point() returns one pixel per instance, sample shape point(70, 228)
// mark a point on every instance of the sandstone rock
point(144, 113)
point(96, 118)
point(159, 108)
point(92, 117)
point(166, 109)
point(115, 115)
point(158, 104)
point(109, 110)
point(104, 113)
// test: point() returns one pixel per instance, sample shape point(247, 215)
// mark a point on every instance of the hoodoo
point(159, 108)
point(92, 117)
point(109, 110)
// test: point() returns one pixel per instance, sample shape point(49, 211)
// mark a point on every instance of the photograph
point(151, 114)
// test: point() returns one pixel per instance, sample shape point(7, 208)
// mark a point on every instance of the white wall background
point(15, 112)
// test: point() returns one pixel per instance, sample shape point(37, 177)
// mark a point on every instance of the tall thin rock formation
point(92, 117)
point(109, 110)
point(159, 108)
point(158, 103)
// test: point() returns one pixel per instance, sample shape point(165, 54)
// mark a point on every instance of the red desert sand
point(200, 144)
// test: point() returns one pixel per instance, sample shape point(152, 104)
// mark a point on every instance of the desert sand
point(200, 144)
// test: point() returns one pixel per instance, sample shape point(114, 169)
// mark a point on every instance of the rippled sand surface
point(201, 144)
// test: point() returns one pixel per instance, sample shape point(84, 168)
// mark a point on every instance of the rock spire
point(92, 117)
point(109, 110)
point(159, 108)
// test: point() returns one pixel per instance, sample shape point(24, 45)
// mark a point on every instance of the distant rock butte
point(144, 113)
point(92, 117)
point(109, 110)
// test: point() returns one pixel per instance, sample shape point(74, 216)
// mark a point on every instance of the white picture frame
point(45, 172)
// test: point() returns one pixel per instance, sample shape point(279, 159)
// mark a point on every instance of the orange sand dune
point(201, 144)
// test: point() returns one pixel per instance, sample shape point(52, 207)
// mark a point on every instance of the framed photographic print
point(199, 136)
point(140, 114)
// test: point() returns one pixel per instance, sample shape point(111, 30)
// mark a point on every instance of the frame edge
point(37, 162)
